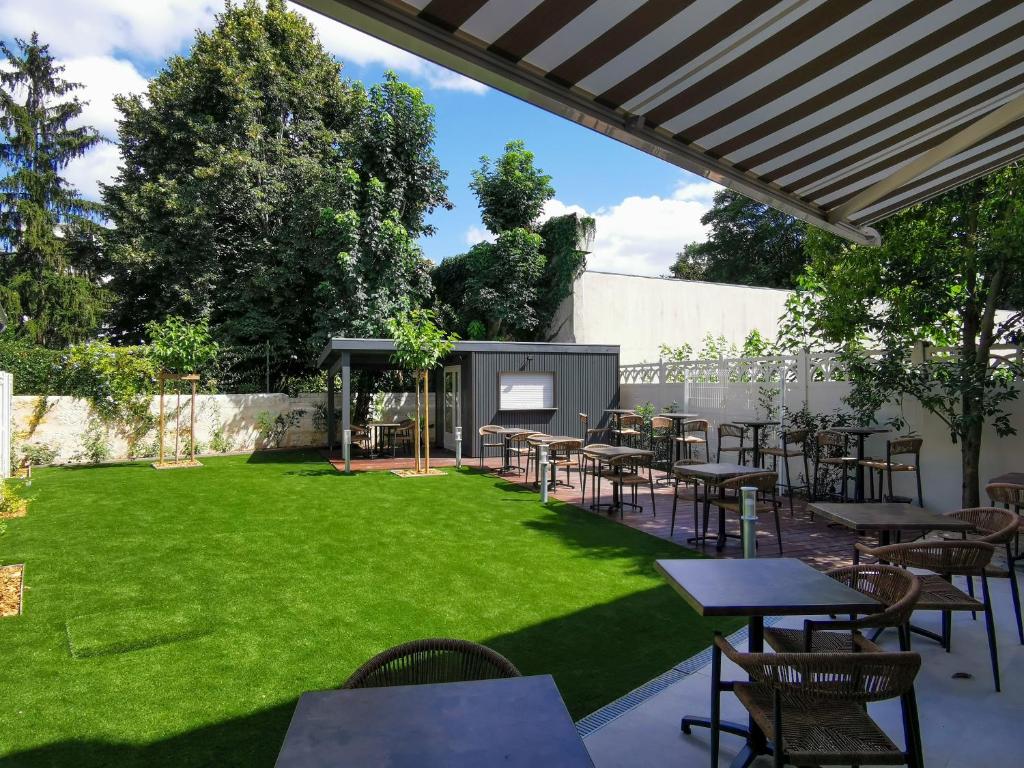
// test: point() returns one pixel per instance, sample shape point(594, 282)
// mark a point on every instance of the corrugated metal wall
point(584, 382)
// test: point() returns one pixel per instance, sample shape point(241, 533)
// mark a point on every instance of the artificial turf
point(173, 618)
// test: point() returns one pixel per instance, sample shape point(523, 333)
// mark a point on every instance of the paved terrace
point(965, 723)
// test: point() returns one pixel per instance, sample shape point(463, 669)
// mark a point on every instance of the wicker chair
point(361, 438)
point(1011, 496)
point(661, 443)
point(629, 429)
point(813, 706)
point(518, 446)
point(832, 452)
point(790, 438)
point(436, 660)
point(895, 588)
point(531, 453)
point(565, 455)
point(767, 504)
point(946, 559)
point(733, 431)
point(694, 435)
point(590, 468)
point(627, 472)
point(404, 435)
point(900, 446)
point(684, 480)
point(998, 527)
point(490, 442)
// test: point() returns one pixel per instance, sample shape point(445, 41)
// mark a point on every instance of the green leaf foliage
point(178, 346)
point(420, 344)
point(49, 278)
point(512, 191)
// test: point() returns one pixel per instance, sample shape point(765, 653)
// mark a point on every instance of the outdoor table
point(861, 433)
point(379, 428)
point(755, 589)
point(599, 454)
point(1010, 478)
point(886, 518)
point(712, 474)
point(617, 414)
point(540, 440)
point(677, 429)
point(519, 721)
point(755, 427)
point(507, 433)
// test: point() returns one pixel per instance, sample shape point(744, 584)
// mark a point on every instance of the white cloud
point(351, 45)
point(642, 235)
point(99, 165)
point(103, 77)
point(475, 235)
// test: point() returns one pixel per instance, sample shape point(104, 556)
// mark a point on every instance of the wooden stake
point(426, 421)
point(192, 427)
point(161, 417)
point(416, 427)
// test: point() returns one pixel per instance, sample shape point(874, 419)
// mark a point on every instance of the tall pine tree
point(47, 261)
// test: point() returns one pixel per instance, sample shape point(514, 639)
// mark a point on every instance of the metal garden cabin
point(530, 385)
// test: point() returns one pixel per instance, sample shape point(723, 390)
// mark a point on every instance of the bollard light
point(542, 471)
point(748, 520)
point(346, 450)
point(458, 447)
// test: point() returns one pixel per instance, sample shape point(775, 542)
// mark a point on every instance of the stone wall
point(66, 422)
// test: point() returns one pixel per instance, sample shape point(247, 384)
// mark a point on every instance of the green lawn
point(172, 618)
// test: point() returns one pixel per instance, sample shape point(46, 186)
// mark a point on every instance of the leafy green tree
point(944, 269)
point(512, 191)
point(750, 243)
point(181, 347)
point(502, 282)
point(263, 192)
point(48, 276)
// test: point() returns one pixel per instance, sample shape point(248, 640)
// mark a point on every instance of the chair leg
point(970, 591)
point(716, 702)
point(778, 530)
point(920, 496)
point(675, 503)
point(779, 759)
point(990, 626)
point(911, 729)
point(1014, 591)
point(650, 481)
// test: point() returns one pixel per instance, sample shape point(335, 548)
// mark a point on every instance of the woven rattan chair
point(813, 706)
point(684, 481)
point(1011, 496)
point(895, 588)
point(531, 454)
point(628, 472)
point(733, 432)
point(694, 435)
point(661, 443)
point(590, 471)
point(404, 435)
point(793, 445)
point(946, 559)
point(629, 430)
point(767, 504)
point(886, 468)
point(832, 452)
point(999, 528)
point(435, 660)
point(565, 455)
point(361, 437)
point(519, 446)
point(490, 442)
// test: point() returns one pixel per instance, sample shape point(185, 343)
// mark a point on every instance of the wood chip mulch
point(10, 589)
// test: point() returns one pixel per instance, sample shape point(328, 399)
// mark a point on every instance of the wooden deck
point(813, 541)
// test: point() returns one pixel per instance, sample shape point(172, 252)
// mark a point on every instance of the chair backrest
point(631, 421)
point(696, 425)
point(904, 445)
point(827, 439)
point(794, 436)
point(488, 429)
point(522, 437)
point(661, 422)
point(950, 558)
point(895, 588)
point(1006, 493)
point(598, 434)
point(765, 482)
point(996, 526)
point(573, 444)
point(731, 430)
point(435, 660)
point(630, 460)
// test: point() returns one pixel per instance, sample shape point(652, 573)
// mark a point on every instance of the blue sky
point(646, 209)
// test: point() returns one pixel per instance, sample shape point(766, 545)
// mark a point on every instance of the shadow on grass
point(596, 655)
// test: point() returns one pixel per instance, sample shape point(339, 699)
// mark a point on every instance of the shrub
point(38, 454)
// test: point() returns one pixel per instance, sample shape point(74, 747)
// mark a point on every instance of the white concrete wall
point(941, 473)
point(642, 313)
point(66, 420)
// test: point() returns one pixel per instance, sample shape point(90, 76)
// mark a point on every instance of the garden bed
point(11, 588)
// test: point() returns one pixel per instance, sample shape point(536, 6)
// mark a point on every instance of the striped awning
point(840, 112)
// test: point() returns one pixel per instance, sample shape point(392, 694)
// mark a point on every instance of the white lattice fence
point(6, 422)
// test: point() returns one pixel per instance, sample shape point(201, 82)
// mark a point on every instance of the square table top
point(756, 422)
point(1011, 478)
point(714, 471)
point(859, 430)
point(781, 586)
point(873, 516)
point(623, 411)
point(509, 431)
point(614, 451)
point(677, 416)
point(512, 722)
point(383, 424)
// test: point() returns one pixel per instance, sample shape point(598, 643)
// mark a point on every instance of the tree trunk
point(970, 458)
point(416, 426)
point(426, 421)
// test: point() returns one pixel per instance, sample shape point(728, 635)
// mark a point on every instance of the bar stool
point(790, 438)
point(629, 429)
point(898, 446)
point(627, 472)
point(519, 447)
point(694, 435)
point(489, 443)
point(733, 431)
point(561, 456)
point(661, 443)
point(832, 452)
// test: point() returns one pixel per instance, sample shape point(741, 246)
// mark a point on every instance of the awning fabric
point(840, 112)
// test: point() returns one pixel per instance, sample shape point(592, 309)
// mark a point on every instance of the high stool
point(899, 446)
point(794, 446)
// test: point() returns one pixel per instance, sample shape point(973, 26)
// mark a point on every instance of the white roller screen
point(526, 391)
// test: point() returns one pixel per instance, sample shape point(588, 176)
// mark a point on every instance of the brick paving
point(813, 541)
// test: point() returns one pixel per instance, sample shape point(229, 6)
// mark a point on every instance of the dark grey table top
point(755, 422)
point(1013, 478)
point(872, 516)
point(859, 430)
point(678, 415)
point(770, 587)
point(624, 411)
point(612, 451)
point(511, 431)
point(714, 471)
point(513, 722)
point(548, 439)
